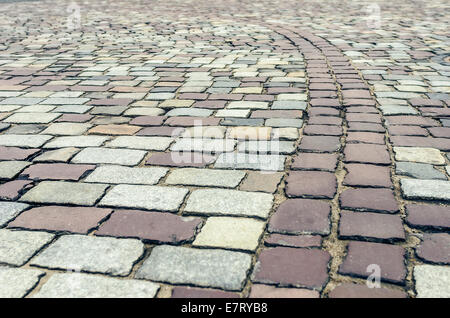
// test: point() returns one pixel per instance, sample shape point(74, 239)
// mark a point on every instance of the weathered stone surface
point(435, 248)
point(428, 216)
point(109, 156)
point(432, 281)
point(89, 286)
point(199, 267)
point(12, 190)
point(293, 240)
point(349, 290)
point(76, 141)
point(378, 200)
point(119, 174)
point(363, 175)
point(262, 182)
point(17, 247)
point(416, 154)
point(58, 155)
point(17, 282)
point(227, 232)
point(145, 197)
point(9, 210)
point(206, 177)
point(159, 227)
point(250, 161)
point(140, 142)
point(61, 218)
point(91, 254)
point(266, 291)
point(193, 292)
point(313, 161)
point(426, 189)
point(229, 202)
point(312, 184)
point(418, 170)
point(61, 192)
point(10, 169)
point(56, 171)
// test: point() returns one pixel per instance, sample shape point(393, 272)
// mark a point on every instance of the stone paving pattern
point(326, 149)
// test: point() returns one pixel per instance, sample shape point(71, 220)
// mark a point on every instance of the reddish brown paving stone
point(442, 132)
point(56, 171)
point(74, 118)
point(428, 216)
point(150, 226)
point(211, 104)
point(316, 184)
point(323, 94)
point(188, 159)
point(358, 102)
point(14, 153)
point(61, 218)
point(267, 291)
point(315, 161)
point(435, 248)
point(325, 120)
point(365, 137)
point(276, 114)
point(192, 121)
point(12, 190)
point(362, 109)
point(323, 111)
point(293, 240)
point(148, 120)
point(413, 141)
point(193, 292)
point(364, 153)
point(258, 98)
point(366, 118)
point(195, 96)
point(264, 182)
point(114, 130)
point(322, 86)
point(411, 120)
point(323, 130)
point(407, 130)
point(161, 131)
point(325, 102)
point(297, 267)
point(320, 144)
point(367, 176)
point(366, 225)
point(356, 93)
point(225, 96)
point(378, 200)
point(371, 127)
point(435, 112)
point(349, 290)
point(389, 258)
point(301, 216)
point(420, 102)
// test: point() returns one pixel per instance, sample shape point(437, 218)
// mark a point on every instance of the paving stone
point(61, 192)
point(250, 133)
point(284, 122)
point(76, 141)
point(153, 227)
point(363, 153)
point(206, 177)
point(435, 248)
point(119, 174)
point(247, 105)
point(203, 145)
point(61, 218)
point(58, 155)
point(415, 154)
point(204, 132)
point(181, 159)
point(293, 240)
point(301, 216)
point(320, 144)
point(10, 169)
point(264, 147)
point(370, 226)
point(199, 267)
point(233, 233)
point(365, 137)
point(17, 282)
point(17, 247)
point(109, 156)
point(114, 130)
point(301, 267)
point(250, 161)
point(314, 184)
point(418, 170)
point(13, 189)
point(14, 153)
point(229, 202)
point(313, 161)
point(261, 182)
point(9, 210)
point(377, 200)
point(432, 281)
point(145, 197)
point(31, 118)
point(89, 286)
point(362, 175)
point(428, 216)
point(138, 142)
point(349, 290)
point(266, 291)
point(72, 129)
point(425, 189)
point(91, 254)
point(193, 292)
point(25, 141)
point(56, 171)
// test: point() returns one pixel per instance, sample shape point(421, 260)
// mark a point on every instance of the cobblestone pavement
point(224, 149)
